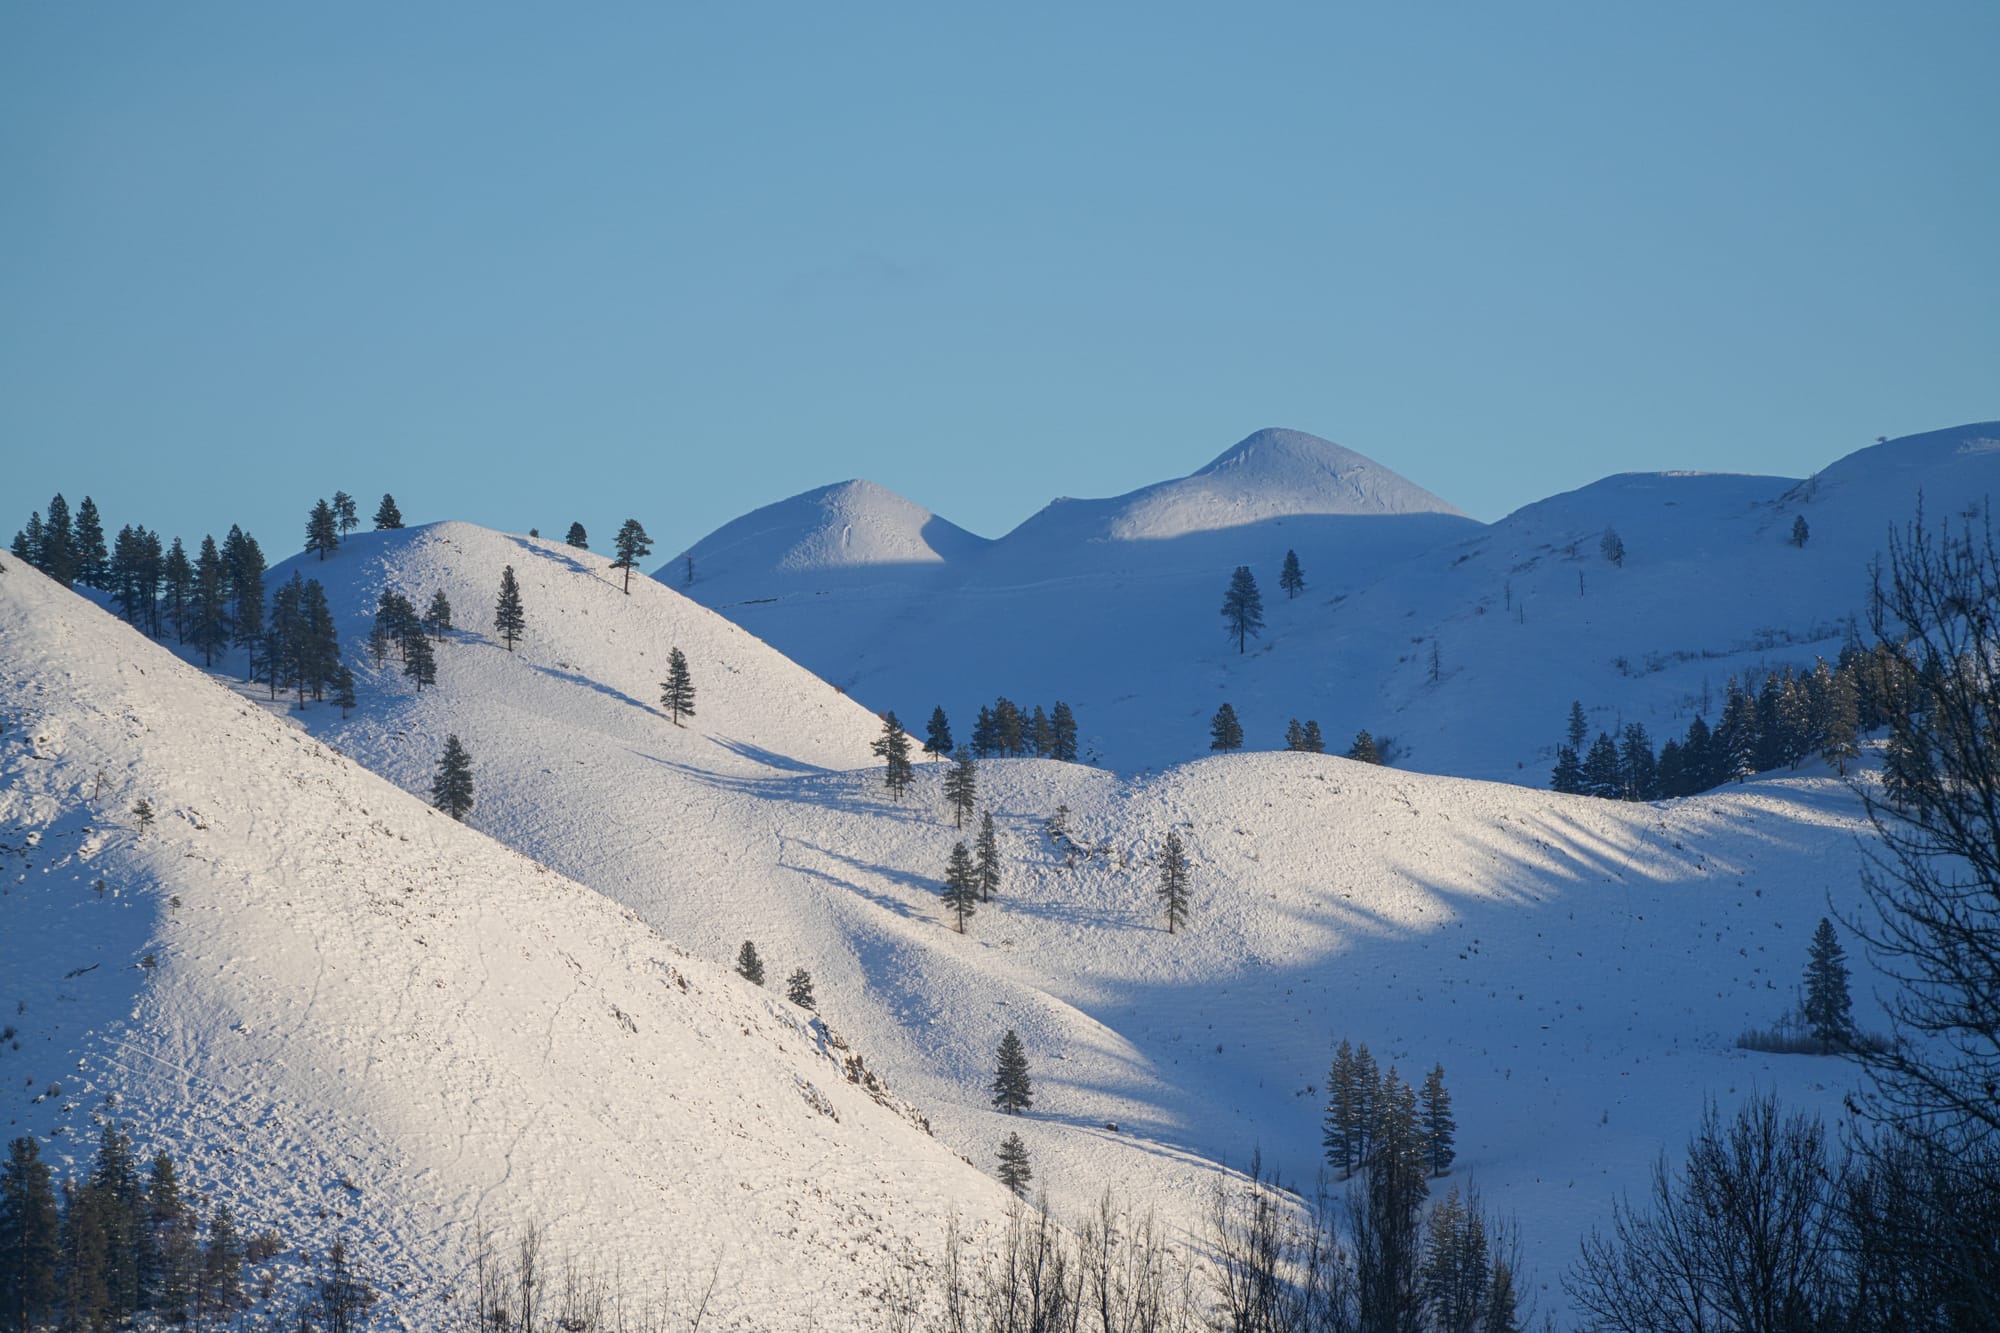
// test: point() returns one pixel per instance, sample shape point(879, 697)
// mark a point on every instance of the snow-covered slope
point(1112, 605)
point(1580, 968)
point(1107, 604)
point(350, 1016)
point(855, 528)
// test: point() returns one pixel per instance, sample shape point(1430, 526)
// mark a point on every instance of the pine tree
point(1243, 607)
point(1579, 728)
point(937, 734)
point(1058, 826)
point(1289, 578)
point(1612, 546)
point(1800, 531)
point(988, 867)
point(1568, 775)
point(1012, 1091)
point(632, 545)
point(961, 788)
point(1439, 1127)
point(343, 689)
point(893, 748)
point(1840, 739)
point(1010, 727)
point(1312, 742)
point(451, 789)
point(748, 965)
point(1638, 770)
point(88, 541)
point(1827, 1002)
point(419, 659)
point(1041, 736)
point(677, 690)
point(1295, 735)
point(961, 885)
point(142, 810)
point(387, 516)
point(322, 530)
point(1173, 890)
point(58, 545)
point(344, 513)
point(27, 545)
point(437, 619)
point(221, 1264)
point(509, 621)
point(1014, 1170)
point(577, 537)
point(243, 562)
point(179, 573)
point(1062, 725)
point(1341, 1129)
point(799, 989)
point(1600, 769)
point(208, 619)
point(1363, 750)
point(985, 733)
point(1224, 731)
point(30, 1237)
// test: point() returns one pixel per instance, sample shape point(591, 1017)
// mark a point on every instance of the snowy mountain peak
point(849, 525)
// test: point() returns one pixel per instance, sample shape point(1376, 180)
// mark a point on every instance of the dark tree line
point(1004, 730)
point(1368, 1109)
point(1790, 717)
point(120, 1241)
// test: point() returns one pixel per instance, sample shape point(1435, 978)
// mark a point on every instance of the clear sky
point(524, 264)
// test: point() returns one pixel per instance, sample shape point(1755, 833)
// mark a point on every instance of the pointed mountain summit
point(850, 525)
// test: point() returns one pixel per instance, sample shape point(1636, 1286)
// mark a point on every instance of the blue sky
point(523, 264)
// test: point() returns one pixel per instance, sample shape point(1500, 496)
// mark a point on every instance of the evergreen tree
point(577, 537)
point(58, 546)
point(30, 1237)
point(1058, 826)
point(451, 789)
point(437, 618)
point(118, 1202)
point(1638, 770)
point(1289, 578)
point(208, 614)
point(1224, 731)
point(1800, 531)
point(985, 733)
point(243, 562)
point(961, 788)
point(1363, 750)
point(1439, 1127)
point(988, 868)
point(677, 690)
point(1173, 890)
point(322, 530)
point(748, 965)
point(961, 885)
point(1311, 741)
point(1062, 726)
point(1840, 739)
point(1613, 547)
point(1012, 1091)
point(222, 1264)
point(387, 516)
point(27, 545)
point(1295, 735)
point(1736, 740)
point(937, 734)
point(1010, 727)
point(90, 552)
point(319, 643)
point(1601, 776)
point(419, 659)
point(1041, 736)
point(1579, 729)
point(509, 621)
point(1342, 1137)
point(632, 545)
point(893, 748)
point(343, 689)
point(1698, 761)
point(1243, 607)
point(1827, 1002)
point(1014, 1170)
point(1568, 775)
point(179, 575)
point(345, 516)
point(1388, 1250)
point(799, 989)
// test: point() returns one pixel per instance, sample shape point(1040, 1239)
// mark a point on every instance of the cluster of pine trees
point(1370, 1112)
point(123, 1240)
point(798, 986)
point(1004, 730)
point(1792, 716)
point(1225, 732)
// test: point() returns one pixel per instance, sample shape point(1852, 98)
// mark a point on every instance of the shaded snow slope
point(1523, 615)
point(349, 1016)
point(852, 527)
point(1580, 968)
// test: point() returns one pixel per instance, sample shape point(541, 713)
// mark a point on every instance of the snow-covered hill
point(1112, 605)
point(349, 1016)
point(1580, 968)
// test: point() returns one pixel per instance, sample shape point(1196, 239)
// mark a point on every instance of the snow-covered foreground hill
point(1112, 605)
point(351, 1017)
point(1580, 968)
